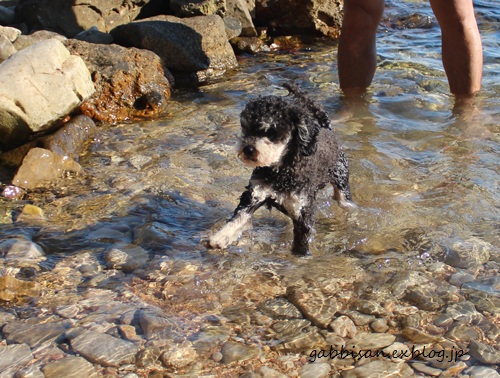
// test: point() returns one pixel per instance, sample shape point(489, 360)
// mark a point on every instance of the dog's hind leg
point(239, 222)
point(340, 181)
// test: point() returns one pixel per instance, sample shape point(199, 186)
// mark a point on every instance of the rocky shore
point(126, 296)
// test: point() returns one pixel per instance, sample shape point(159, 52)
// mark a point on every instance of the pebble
point(343, 326)
point(379, 325)
point(425, 369)
point(484, 353)
point(370, 308)
point(464, 312)
point(420, 337)
point(126, 257)
point(232, 351)
point(267, 372)
point(14, 356)
point(370, 341)
point(35, 332)
point(104, 349)
point(70, 367)
point(316, 370)
point(280, 308)
point(425, 298)
point(179, 356)
point(462, 332)
point(217, 356)
point(358, 318)
point(316, 306)
point(377, 369)
point(481, 372)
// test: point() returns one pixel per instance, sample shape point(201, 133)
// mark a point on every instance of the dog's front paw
point(218, 241)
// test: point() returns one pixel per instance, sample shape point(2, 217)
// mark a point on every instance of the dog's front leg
point(302, 228)
point(239, 221)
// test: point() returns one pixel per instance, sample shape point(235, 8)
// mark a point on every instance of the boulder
point(191, 8)
point(299, 16)
point(24, 41)
point(6, 48)
point(38, 87)
point(240, 10)
point(191, 45)
point(70, 17)
point(130, 83)
point(11, 33)
point(7, 15)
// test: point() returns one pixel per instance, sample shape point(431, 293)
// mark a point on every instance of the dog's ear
point(307, 132)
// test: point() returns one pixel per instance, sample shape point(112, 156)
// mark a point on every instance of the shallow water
point(423, 177)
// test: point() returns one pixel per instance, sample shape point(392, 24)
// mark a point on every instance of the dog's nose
point(249, 151)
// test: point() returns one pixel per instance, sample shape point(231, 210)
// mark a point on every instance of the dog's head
point(273, 127)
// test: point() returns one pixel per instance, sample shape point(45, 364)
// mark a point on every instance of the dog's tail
point(319, 113)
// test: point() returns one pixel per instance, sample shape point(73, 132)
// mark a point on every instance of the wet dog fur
point(290, 143)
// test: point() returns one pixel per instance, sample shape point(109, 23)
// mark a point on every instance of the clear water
point(422, 176)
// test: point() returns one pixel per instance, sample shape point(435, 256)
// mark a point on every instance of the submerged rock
point(41, 167)
point(13, 357)
point(12, 289)
point(70, 367)
point(232, 351)
point(104, 349)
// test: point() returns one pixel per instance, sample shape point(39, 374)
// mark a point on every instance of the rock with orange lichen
point(130, 83)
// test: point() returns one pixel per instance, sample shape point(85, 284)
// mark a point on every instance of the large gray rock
point(239, 9)
point(39, 86)
point(292, 16)
point(190, 8)
point(70, 17)
point(197, 44)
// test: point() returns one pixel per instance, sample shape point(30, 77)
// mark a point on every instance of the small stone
point(468, 254)
point(459, 278)
point(464, 312)
point(179, 356)
point(377, 369)
point(316, 370)
point(70, 367)
point(379, 325)
point(358, 318)
point(481, 372)
point(462, 332)
point(217, 356)
point(14, 356)
point(425, 298)
point(370, 308)
point(343, 326)
point(126, 257)
point(104, 349)
point(369, 341)
point(420, 337)
point(484, 353)
point(31, 213)
point(280, 308)
point(232, 351)
point(267, 372)
point(13, 289)
point(314, 304)
point(423, 368)
point(128, 332)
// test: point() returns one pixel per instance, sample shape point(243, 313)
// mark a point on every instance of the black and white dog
point(294, 150)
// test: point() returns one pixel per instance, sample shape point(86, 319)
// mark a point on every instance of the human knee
point(363, 13)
